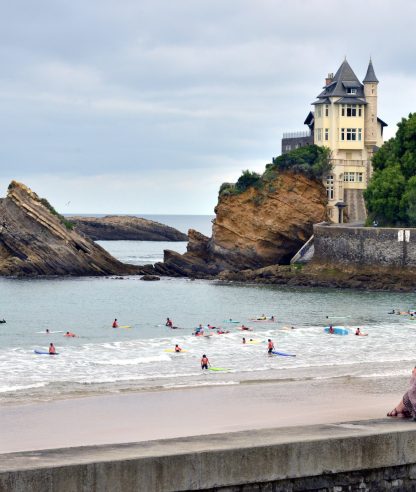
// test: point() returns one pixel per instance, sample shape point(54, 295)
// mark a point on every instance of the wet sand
point(135, 417)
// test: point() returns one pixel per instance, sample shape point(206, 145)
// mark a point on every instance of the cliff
point(115, 227)
point(35, 240)
point(263, 225)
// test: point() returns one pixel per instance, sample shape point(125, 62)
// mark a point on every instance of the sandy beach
point(143, 416)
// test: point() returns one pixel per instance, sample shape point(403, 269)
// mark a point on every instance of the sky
point(148, 106)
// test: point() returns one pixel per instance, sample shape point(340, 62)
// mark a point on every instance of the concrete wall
point(371, 455)
point(379, 246)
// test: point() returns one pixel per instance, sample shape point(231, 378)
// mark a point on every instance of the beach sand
point(143, 416)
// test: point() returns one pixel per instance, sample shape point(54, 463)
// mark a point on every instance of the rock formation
point(261, 226)
point(35, 240)
point(116, 227)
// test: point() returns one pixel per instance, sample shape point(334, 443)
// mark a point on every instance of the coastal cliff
point(116, 227)
point(260, 226)
point(36, 240)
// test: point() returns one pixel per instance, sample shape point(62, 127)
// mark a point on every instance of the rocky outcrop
point(261, 226)
point(118, 227)
point(36, 240)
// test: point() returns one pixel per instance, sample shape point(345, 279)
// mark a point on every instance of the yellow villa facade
point(345, 120)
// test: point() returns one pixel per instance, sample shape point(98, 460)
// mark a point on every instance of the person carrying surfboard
point(52, 349)
point(270, 346)
point(115, 323)
point(205, 362)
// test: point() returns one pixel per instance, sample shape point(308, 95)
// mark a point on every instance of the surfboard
point(44, 352)
point(51, 332)
point(230, 321)
point(174, 351)
point(337, 330)
point(283, 354)
point(218, 369)
point(251, 342)
point(125, 326)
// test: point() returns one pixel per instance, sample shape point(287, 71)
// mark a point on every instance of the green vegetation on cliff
point(312, 161)
point(391, 194)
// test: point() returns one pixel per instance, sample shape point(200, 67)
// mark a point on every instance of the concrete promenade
point(375, 454)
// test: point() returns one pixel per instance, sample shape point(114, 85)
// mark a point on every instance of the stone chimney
point(329, 79)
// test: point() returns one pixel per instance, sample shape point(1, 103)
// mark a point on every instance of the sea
point(106, 360)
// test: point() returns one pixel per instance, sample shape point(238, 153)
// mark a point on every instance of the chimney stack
point(329, 79)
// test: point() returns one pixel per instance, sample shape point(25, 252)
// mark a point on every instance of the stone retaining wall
point(380, 246)
point(373, 455)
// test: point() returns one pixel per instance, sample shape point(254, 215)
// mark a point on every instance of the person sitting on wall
point(407, 406)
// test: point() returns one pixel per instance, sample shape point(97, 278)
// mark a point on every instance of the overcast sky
point(148, 106)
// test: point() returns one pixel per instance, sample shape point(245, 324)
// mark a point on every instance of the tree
point(391, 194)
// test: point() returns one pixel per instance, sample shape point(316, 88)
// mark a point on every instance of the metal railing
point(300, 134)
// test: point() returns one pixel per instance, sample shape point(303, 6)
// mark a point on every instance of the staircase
point(354, 200)
point(305, 254)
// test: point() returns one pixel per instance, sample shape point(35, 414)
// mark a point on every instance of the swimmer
point(244, 340)
point(52, 349)
point(115, 323)
point(270, 346)
point(69, 334)
point(169, 323)
point(205, 362)
point(177, 348)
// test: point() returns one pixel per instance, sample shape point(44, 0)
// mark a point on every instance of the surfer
point(177, 348)
point(270, 346)
point(210, 327)
point(244, 340)
point(169, 323)
point(244, 327)
point(272, 318)
point(52, 349)
point(69, 334)
point(359, 334)
point(47, 330)
point(205, 362)
point(331, 330)
point(199, 331)
point(115, 323)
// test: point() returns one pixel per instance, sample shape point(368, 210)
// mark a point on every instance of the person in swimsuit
point(177, 348)
point(69, 334)
point(52, 349)
point(115, 323)
point(169, 322)
point(331, 330)
point(270, 346)
point(204, 362)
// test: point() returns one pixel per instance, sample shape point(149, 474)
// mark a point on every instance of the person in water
point(205, 362)
point(331, 330)
point(272, 318)
point(177, 348)
point(69, 334)
point(244, 340)
point(270, 346)
point(47, 330)
point(115, 323)
point(407, 405)
point(52, 349)
point(199, 330)
point(169, 323)
point(244, 327)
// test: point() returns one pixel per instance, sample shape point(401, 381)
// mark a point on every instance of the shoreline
point(198, 411)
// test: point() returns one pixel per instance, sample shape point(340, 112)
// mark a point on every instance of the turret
point(370, 92)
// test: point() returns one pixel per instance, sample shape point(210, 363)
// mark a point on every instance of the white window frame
point(330, 187)
point(326, 109)
point(326, 134)
point(351, 90)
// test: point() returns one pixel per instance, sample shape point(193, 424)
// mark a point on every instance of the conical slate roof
point(344, 79)
point(370, 76)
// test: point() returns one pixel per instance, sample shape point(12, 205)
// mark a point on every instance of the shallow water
point(102, 359)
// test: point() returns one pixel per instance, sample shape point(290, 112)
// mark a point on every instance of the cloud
point(110, 92)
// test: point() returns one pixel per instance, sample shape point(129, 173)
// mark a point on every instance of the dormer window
point(351, 90)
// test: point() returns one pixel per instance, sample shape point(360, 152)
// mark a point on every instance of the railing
point(348, 162)
point(300, 134)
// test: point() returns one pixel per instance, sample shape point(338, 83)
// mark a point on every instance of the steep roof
point(370, 76)
point(344, 79)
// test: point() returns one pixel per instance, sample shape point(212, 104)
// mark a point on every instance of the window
point(359, 110)
point(319, 134)
point(326, 110)
point(351, 90)
point(353, 177)
point(288, 147)
point(351, 110)
point(330, 187)
point(359, 134)
point(297, 146)
point(326, 134)
point(348, 134)
point(318, 111)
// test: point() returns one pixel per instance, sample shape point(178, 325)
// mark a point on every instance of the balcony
point(349, 162)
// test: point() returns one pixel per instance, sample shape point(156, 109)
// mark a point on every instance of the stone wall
point(369, 246)
point(375, 455)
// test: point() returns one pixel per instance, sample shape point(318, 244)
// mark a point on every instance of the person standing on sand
point(407, 406)
point(270, 346)
point(205, 362)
